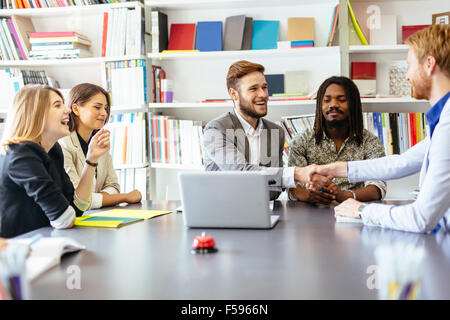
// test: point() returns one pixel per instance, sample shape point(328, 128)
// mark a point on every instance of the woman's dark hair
point(80, 94)
point(354, 102)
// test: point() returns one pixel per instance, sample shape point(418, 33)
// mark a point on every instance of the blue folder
point(209, 36)
point(275, 83)
point(265, 34)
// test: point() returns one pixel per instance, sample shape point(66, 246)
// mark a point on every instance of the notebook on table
point(46, 253)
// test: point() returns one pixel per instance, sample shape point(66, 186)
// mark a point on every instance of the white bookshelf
point(248, 54)
point(131, 166)
point(128, 108)
point(399, 48)
point(86, 20)
point(223, 4)
point(201, 75)
point(65, 62)
point(65, 11)
point(174, 166)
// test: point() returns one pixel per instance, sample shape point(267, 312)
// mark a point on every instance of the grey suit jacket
point(226, 148)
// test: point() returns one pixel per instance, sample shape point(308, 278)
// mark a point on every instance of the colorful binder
point(209, 36)
point(182, 36)
point(265, 34)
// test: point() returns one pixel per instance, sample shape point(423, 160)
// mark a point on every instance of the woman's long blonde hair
point(26, 118)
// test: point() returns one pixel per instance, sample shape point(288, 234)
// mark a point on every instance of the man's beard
point(247, 108)
point(336, 123)
point(421, 86)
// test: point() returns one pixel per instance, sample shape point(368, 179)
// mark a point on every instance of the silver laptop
point(226, 199)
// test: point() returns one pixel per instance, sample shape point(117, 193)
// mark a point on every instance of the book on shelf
point(293, 126)
point(123, 32)
point(57, 34)
point(133, 179)
point(265, 34)
point(234, 32)
point(7, 47)
point(397, 131)
point(300, 29)
point(248, 34)
point(59, 54)
point(275, 83)
point(23, 27)
point(127, 81)
point(44, 46)
point(410, 30)
point(182, 36)
point(297, 82)
point(364, 75)
point(209, 36)
point(128, 132)
point(333, 26)
point(216, 100)
point(295, 44)
point(13, 79)
point(32, 4)
point(160, 33)
point(176, 141)
point(158, 74)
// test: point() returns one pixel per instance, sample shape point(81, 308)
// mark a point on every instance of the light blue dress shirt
point(432, 158)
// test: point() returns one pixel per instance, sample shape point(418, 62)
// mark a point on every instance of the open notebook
point(46, 253)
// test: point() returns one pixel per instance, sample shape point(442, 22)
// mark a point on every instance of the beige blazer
point(74, 161)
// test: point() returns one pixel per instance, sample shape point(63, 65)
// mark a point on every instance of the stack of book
point(59, 45)
point(176, 141)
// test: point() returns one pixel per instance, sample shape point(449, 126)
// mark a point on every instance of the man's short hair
point(239, 69)
point(433, 41)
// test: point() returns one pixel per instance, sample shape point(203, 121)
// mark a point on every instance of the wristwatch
point(361, 208)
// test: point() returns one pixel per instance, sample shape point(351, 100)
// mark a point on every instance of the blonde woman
point(90, 105)
point(35, 191)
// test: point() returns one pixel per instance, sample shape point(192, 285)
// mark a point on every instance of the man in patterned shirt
point(338, 136)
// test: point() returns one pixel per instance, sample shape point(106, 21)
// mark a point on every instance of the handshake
point(318, 185)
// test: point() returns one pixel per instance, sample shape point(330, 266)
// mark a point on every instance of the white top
point(254, 140)
point(432, 158)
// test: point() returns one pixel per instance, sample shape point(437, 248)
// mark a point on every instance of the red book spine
point(162, 75)
point(413, 129)
point(105, 32)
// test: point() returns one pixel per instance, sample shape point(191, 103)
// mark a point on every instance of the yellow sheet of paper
point(129, 213)
point(101, 224)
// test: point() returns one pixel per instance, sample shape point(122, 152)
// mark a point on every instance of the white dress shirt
point(432, 157)
point(254, 139)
